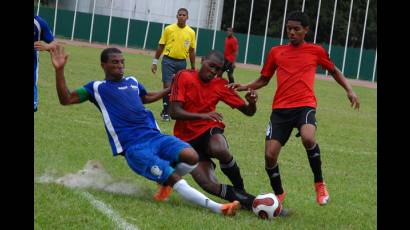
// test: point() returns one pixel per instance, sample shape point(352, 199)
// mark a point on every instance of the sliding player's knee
point(189, 156)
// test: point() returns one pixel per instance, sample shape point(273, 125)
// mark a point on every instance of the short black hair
point(300, 17)
point(106, 52)
point(183, 9)
point(217, 54)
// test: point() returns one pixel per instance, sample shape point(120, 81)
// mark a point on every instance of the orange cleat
point(163, 192)
point(322, 196)
point(281, 196)
point(230, 209)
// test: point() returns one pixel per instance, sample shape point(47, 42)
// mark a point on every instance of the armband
point(154, 61)
point(82, 93)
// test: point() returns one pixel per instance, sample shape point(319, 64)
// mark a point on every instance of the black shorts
point(282, 122)
point(228, 67)
point(200, 144)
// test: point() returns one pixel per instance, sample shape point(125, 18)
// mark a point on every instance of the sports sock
point(165, 103)
point(274, 177)
point(184, 168)
point(315, 162)
point(231, 170)
point(229, 193)
point(196, 197)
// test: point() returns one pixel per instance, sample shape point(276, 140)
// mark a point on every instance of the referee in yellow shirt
point(177, 43)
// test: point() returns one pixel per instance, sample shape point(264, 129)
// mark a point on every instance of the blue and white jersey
point(41, 33)
point(127, 121)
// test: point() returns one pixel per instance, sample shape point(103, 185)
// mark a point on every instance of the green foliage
point(66, 137)
point(242, 15)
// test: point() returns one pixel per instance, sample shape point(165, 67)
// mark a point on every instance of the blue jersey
point(41, 33)
point(126, 120)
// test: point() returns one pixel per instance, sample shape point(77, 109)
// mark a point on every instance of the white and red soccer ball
point(266, 206)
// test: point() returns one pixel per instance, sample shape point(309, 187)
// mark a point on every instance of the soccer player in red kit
point(294, 104)
point(230, 54)
point(193, 100)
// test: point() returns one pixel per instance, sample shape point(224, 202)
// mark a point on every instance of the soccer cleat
point(281, 196)
point(230, 209)
point(163, 193)
point(285, 212)
point(322, 196)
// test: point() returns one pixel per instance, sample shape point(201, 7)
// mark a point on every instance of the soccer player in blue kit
point(43, 41)
point(132, 130)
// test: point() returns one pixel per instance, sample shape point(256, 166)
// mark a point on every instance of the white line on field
point(105, 209)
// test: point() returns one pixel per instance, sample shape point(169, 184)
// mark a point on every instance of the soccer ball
point(266, 206)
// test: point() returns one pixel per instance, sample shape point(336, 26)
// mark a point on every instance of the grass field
point(66, 137)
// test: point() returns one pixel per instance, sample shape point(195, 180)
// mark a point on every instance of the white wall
point(162, 11)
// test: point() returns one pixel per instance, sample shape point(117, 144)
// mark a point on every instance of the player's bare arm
point(155, 96)
point(192, 57)
point(59, 59)
point(341, 80)
point(156, 57)
point(250, 108)
point(177, 112)
point(256, 84)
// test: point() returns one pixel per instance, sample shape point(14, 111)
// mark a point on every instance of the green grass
point(66, 137)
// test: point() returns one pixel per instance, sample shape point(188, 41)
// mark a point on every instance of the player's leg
point(277, 134)
point(168, 71)
point(204, 176)
point(272, 150)
point(191, 194)
point(181, 155)
point(218, 148)
point(307, 132)
point(230, 72)
point(145, 159)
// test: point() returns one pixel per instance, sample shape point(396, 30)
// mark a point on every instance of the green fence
point(137, 30)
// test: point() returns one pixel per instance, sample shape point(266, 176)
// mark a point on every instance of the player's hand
point(213, 116)
point(42, 46)
point(153, 68)
point(236, 86)
point(58, 57)
point(354, 100)
point(251, 96)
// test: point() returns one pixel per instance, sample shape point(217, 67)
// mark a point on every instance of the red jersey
point(295, 71)
point(199, 97)
point(231, 46)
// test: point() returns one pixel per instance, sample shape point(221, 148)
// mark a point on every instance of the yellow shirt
point(177, 41)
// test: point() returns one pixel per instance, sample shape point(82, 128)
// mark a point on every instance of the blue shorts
point(171, 66)
point(153, 158)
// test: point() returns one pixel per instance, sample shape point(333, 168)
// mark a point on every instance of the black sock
point(230, 193)
point(231, 170)
point(165, 103)
point(315, 163)
point(274, 178)
point(230, 78)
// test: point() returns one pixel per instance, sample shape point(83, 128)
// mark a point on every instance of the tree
point(325, 20)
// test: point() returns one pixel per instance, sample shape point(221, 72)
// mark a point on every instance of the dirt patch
point(354, 82)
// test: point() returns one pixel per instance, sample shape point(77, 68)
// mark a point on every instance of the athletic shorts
point(228, 67)
point(282, 122)
point(200, 144)
point(153, 158)
point(170, 67)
